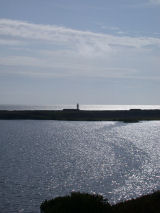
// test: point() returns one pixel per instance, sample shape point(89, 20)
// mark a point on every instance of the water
point(43, 159)
point(82, 107)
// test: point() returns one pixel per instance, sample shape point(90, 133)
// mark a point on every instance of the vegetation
point(88, 203)
point(145, 204)
point(77, 202)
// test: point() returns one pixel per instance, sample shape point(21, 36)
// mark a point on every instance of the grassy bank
point(87, 203)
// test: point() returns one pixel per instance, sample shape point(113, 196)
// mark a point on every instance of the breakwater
point(131, 115)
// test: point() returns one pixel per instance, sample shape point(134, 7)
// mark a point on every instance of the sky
point(86, 51)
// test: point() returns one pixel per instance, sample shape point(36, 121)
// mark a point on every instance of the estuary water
point(43, 159)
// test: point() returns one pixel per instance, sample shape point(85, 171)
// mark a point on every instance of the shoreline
point(132, 115)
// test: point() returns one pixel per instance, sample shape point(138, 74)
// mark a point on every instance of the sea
point(81, 106)
point(41, 160)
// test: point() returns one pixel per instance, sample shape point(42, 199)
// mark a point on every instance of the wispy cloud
point(156, 2)
point(68, 52)
point(142, 4)
point(67, 36)
point(11, 42)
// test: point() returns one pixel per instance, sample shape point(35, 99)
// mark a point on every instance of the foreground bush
point(85, 203)
point(77, 203)
point(145, 204)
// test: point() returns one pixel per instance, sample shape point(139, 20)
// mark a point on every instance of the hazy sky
point(86, 51)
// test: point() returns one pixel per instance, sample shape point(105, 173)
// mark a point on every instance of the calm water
point(43, 159)
point(82, 107)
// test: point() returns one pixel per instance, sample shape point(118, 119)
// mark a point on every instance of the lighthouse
point(77, 106)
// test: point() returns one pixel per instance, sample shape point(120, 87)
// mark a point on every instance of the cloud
point(59, 51)
point(90, 42)
point(156, 2)
point(11, 42)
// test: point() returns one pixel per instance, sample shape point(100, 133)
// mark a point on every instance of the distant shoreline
point(132, 115)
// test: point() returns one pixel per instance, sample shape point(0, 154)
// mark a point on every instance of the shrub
point(76, 203)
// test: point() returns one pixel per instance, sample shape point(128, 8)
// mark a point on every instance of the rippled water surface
point(43, 159)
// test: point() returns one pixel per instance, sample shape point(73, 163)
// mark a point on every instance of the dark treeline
point(86, 203)
point(132, 115)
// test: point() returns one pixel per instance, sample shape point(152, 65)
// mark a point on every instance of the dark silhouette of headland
point(132, 115)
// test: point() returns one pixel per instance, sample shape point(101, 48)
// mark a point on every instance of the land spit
point(132, 115)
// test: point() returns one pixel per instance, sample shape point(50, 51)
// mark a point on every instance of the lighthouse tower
point(77, 106)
